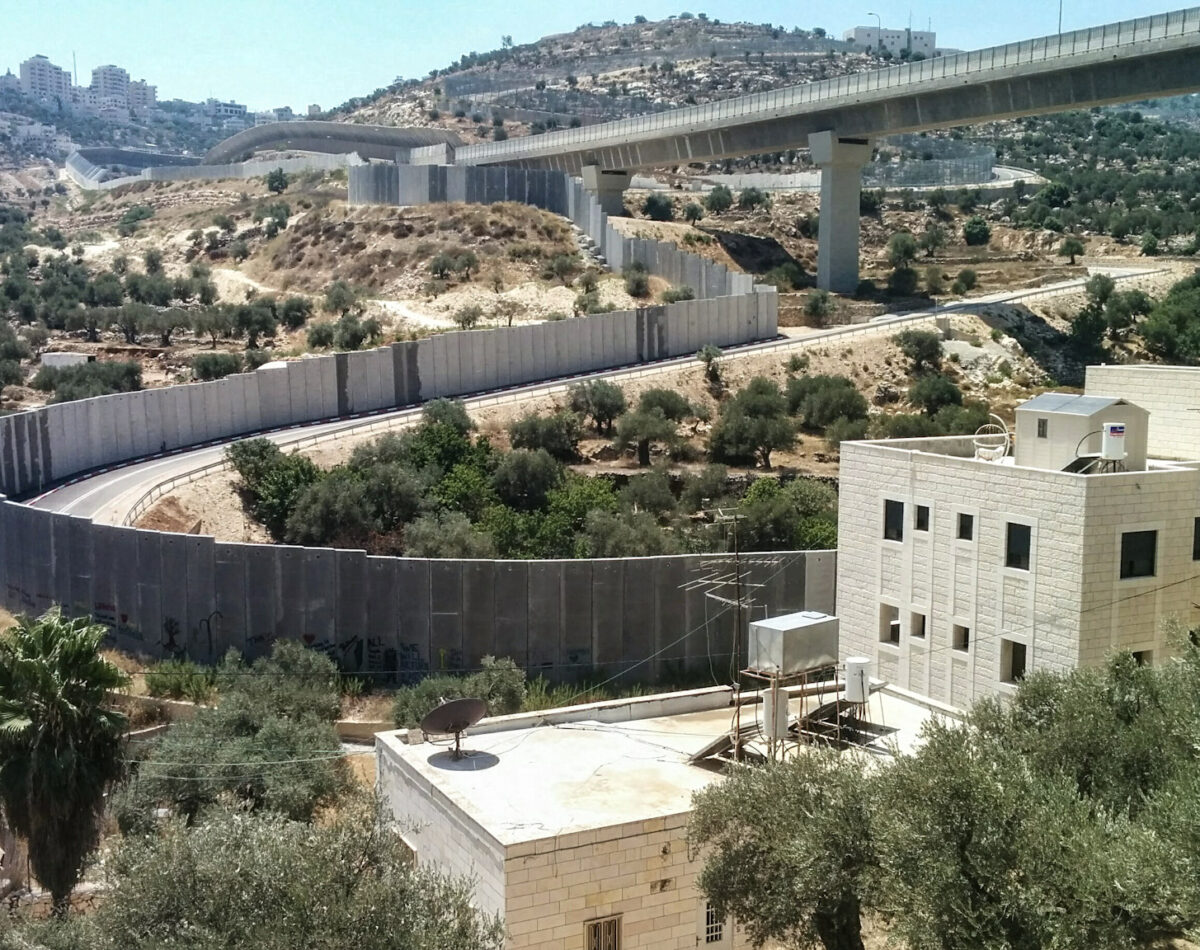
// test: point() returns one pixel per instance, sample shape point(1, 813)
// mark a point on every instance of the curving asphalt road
point(110, 495)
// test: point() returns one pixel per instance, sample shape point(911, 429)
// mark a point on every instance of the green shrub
point(320, 336)
point(88, 379)
point(209, 366)
point(557, 433)
point(752, 198)
point(845, 430)
point(294, 682)
point(930, 393)
point(500, 683)
point(976, 231)
point(787, 277)
point(719, 200)
point(271, 481)
point(181, 679)
point(658, 207)
point(821, 400)
point(676, 294)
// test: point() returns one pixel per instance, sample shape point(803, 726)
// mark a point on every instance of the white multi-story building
point(224, 110)
point(111, 82)
point(41, 79)
point(960, 571)
point(915, 41)
point(142, 95)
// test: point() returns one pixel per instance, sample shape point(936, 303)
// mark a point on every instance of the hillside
point(598, 73)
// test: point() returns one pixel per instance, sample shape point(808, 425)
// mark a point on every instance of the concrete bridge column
point(607, 186)
point(841, 161)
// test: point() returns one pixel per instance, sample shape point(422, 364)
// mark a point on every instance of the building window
point(1196, 540)
point(893, 520)
point(1012, 661)
point(1043, 425)
point(714, 925)
point(1137, 553)
point(916, 626)
point(921, 521)
point(1017, 550)
point(889, 624)
point(1143, 657)
point(961, 637)
point(603, 934)
point(966, 527)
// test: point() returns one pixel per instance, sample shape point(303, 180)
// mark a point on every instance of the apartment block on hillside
point(964, 563)
point(41, 79)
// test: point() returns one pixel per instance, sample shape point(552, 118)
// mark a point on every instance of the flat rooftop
point(963, 448)
point(540, 775)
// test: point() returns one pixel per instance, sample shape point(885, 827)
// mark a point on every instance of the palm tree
point(60, 748)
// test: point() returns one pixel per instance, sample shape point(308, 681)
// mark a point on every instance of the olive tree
point(788, 847)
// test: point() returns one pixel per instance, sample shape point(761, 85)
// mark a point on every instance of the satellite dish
point(454, 718)
point(992, 440)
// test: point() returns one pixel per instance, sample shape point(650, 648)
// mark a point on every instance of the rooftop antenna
point(454, 718)
point(74, 69)
point(715, 581)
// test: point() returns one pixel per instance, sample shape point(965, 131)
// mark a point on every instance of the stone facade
point(1170, 393)
point(640, 871)
point(946, 617)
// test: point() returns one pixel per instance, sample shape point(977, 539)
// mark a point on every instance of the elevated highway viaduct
point(839, 118)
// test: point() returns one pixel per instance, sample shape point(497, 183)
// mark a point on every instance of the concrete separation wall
point(90, 176)
point(419, 184)
point(182, 595)
point(42, 447)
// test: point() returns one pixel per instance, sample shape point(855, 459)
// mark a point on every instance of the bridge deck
point(1128, 40)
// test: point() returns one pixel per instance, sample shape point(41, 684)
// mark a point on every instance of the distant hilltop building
point(225, 110)
point(111, 88)
point(314, 110)
point(41, 79)
point(871, 37)
point(110, 82)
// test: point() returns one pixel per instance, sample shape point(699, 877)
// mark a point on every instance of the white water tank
point(858, 679)
point(1112, 441)
point(775, 714)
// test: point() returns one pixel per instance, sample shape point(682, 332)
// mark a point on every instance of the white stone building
point(915, 41)
point(41, 79)
point(958, 572)
point(142, 95)
point(572, 823)
point(111, 82)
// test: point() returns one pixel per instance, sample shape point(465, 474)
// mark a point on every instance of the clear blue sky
point(268, 53)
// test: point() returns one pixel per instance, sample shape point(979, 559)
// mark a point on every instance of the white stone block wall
point(440, 832)
point(640, 870)
point(1071, 608)
point(1170, 393)
point(1128, 614)
point(954, 582)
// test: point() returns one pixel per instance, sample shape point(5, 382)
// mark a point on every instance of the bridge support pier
point(841, 161)
point(608, 187)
